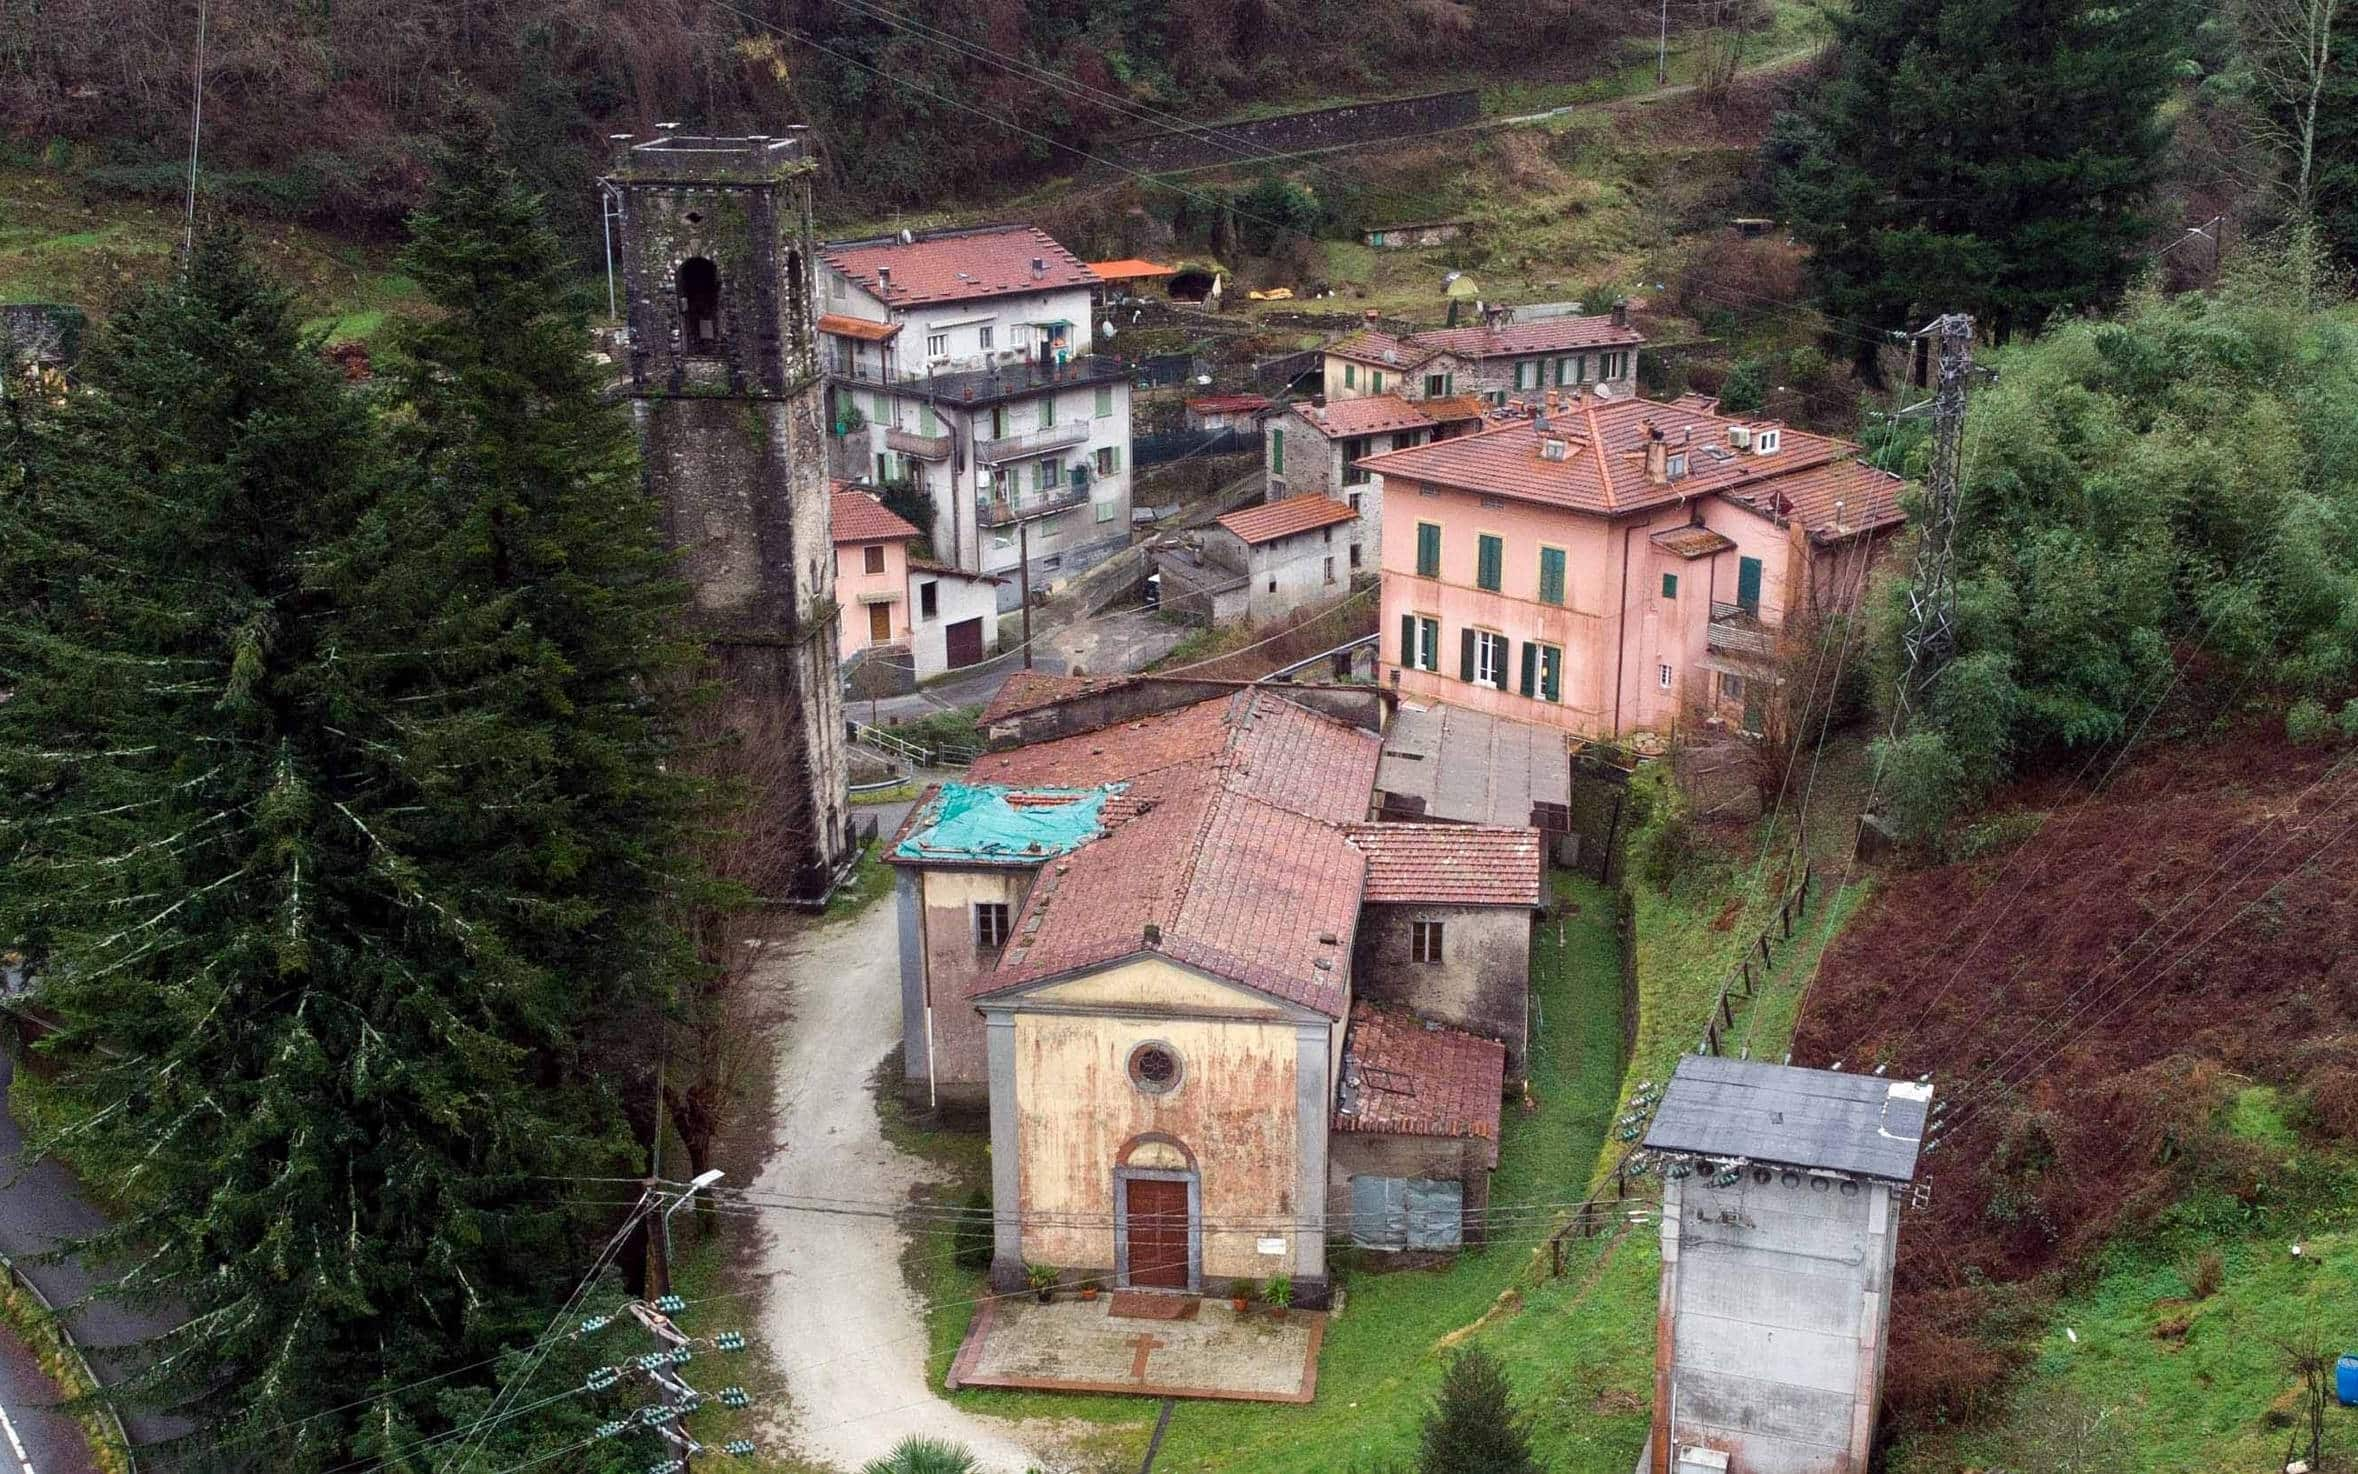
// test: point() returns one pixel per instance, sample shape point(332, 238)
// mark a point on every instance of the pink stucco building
point(1614, 566)
point(913, 617)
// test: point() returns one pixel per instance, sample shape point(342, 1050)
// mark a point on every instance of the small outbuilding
point(1290, 552)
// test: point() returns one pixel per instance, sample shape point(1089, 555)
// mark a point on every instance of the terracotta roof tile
point(1692, 542)
point(1451, 864)
point(1229, 841)
point(1273, 520)
point(1404, 1077)
point(1228, 404)
point(1369, 414)
point(1381, 349)
point(861, 518)
point(1028, 690)
point(958, 265)
point(858, 327)
point(1109, 754)
point(1548, 335)
point(1603, 470)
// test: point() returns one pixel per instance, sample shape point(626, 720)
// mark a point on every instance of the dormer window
point(1678, 466)
point(1766, 441)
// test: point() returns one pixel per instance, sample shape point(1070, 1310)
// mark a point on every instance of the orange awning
point(861, 328)
point(1130, 268)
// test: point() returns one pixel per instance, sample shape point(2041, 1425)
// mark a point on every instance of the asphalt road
point(41, 1205)
point(34, 1437)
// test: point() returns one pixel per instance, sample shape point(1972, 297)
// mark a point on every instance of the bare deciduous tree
point(2290, 46)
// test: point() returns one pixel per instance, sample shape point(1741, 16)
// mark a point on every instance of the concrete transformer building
point(715, 250)
point(1782, 1189)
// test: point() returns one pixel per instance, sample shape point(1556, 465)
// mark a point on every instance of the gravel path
point(838, 1314)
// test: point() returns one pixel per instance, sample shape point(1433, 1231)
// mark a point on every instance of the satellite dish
point(1106, 327)
point(1203, 378)
point(908, 238)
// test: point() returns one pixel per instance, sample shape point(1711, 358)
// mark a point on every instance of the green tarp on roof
point(984, 821)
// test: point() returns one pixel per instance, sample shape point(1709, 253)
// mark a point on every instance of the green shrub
point(1923, 784)
point(1474, 1427)
point(2307, 723)
point(1745, 388)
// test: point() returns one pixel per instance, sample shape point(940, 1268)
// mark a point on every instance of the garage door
point(965, 642)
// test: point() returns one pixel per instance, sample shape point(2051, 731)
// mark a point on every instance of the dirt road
point(838, 1315)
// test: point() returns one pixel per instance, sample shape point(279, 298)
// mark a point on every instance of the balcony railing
point(923, 447)
point(1032, 442)
point(1007, 511)
point(1016, 380)
point(1737, 630)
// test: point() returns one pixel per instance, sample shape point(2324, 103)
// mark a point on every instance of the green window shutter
point(1104, 401)
point(1047, 411)
point(1490, 570)
point(1551, 575)
point(1429, 637)
point(1375, 381)
point(1449, 383)
point(1277, 452)
point(1748, 584)
point(1114, 453)
point(1551, 673)
point(1669, 585)
point(1428, 550)
point(1408, 640)
point(1465, 654)
point(1530, 668)
point(1350, 376)
point(927, 423)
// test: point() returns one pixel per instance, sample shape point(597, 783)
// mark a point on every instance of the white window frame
point(937, 345)
point(1490, 659)
point(982, 337)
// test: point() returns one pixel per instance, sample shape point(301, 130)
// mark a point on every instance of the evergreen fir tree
point(336, 817)
point(1474, 1427)
point(1994, 156)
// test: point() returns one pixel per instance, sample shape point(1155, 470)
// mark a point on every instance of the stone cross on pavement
point(1147, 1343)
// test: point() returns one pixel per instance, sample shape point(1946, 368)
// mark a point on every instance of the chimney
point(1555, 401)
point(1621, 313)
point(884, 278)
point(1039, 266)
point(1154, 935)
point(1657, 456)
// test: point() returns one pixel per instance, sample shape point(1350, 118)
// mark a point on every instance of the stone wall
point(1292, 133)
point(1365, 707)
point(1482, 983)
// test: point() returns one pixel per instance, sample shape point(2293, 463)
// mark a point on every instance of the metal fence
point(1179, 445)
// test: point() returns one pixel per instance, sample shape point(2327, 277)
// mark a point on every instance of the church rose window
point(1154, 1068)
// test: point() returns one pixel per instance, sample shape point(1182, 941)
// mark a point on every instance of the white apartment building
point(961, 360)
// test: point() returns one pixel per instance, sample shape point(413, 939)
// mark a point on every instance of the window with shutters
point(1551, 673)
point(1490, 562)
point(1424, 941)
point(1428, 550)
point(1436, 385)
point(1490, 659)
point(1375, 382)
point(1551, 575)
point(872, 558)
point(1350, 376)
point(1277, 452)
point(1105, 401)
point(928, 423)
point(1420, 642)
point(1748, 585)
point(1109, 460)
point(1047, 410)
point(1353, 473)
point(1669, 585)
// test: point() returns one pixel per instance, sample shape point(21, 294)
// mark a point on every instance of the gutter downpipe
point(1621, 644)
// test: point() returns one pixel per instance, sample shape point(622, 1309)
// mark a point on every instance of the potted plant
point(1089, 1289)
point(1042, 1279)
point(1240, 1294)
point(1278, 1294)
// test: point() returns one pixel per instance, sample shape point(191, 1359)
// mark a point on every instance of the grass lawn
point(869, 882)
point(2187, 1383)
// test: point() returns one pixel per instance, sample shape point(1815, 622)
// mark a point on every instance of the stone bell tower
point(714, 249)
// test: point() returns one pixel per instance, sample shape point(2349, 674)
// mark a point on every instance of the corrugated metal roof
point(1785, 1116)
